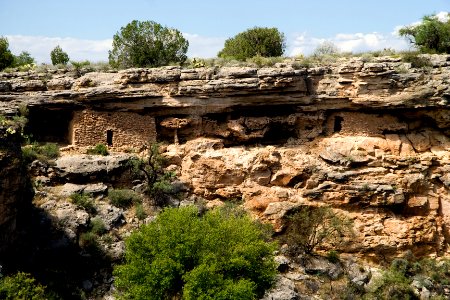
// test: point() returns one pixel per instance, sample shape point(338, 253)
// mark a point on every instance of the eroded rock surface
point(370, 139)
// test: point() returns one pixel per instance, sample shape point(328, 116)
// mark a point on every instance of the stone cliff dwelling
point(361, 137)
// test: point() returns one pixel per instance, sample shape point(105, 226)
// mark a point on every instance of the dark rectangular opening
point(338, 123)
point(109, 137)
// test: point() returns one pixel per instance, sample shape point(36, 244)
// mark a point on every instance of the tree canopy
point(220, 255)
point(6, 57)
point(147, 44)
point(430, 36)
point(58, 56)
point(257, 41)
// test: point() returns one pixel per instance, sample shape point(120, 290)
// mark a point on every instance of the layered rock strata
point(370, 139)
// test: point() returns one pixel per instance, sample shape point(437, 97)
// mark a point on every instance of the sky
point(84, 28)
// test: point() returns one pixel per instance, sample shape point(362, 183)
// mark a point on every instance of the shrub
point(222, 254)
point(49, 150)
point(89, 241)
point(83, 201)
point(416, 60)
point(326, 48)
point(123, 198)
point(99, 149)
point(140, 212)
point(333, 256)
point(44, 152)
point(430, 36)
point(311, 227)
point(259, 41)
point(98, 227)
point(392, 285)
point(6, 57)
point(158, 180)
point(21, 286)
point(24, 58)
point(147, 44)
point(58, 56)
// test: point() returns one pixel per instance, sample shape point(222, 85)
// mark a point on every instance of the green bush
point(222, 254)
point(157, 179)
point(58, 56)
point(311, 227)
point(21, 286)
point(123, 198)
point(89, 241)
point(430, 36)
point(98, 227)
point(147, 44)
point(140, 212)
point(6, 57)
point(393, 284)
point(83, 201)
point(23, 59)
point(46, 152)
point(416, 60)
point(99, 149)
point(257, 41)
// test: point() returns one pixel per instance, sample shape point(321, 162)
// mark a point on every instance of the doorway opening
point(109, 137)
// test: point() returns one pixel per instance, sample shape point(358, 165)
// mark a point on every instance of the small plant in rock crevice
point(99, 149)
point(84, 201)
point(123, 198)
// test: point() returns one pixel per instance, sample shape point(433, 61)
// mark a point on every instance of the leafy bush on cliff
point(222, 254)
point(147, 44)
point(123, 198)
point(257, 41)
point(430, 36)
point(22, 286)
point(45, 152)
point(311, 227)
point(99, 149)
point(158, 180)
point(84, 201)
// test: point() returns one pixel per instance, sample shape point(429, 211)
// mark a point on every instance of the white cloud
point(348, 42)
point(443, 16)
point(203, 46)
point(78, 49)
point(97, 50)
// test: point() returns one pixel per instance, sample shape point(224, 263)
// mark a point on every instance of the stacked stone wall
point(126, 129)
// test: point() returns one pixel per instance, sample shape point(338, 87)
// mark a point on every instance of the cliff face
point(14, 192)
point(371, 139)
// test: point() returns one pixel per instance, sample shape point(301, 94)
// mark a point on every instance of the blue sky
point(84, 28)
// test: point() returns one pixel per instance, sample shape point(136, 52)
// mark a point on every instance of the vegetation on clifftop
point(147, 44)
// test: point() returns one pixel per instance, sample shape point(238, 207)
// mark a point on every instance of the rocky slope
point(370, 139)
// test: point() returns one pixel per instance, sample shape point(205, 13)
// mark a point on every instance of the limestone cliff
point(15, 195)
point(371, 139)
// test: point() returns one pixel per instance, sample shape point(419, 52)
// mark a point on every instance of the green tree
point(257, 41)
point(430, 36)
point(24, 58)
point(311, 227)
point(222, 254)
point(58, 56)
point(147, 44)
point(158, 180)
point(21, 286)
point(6, 57)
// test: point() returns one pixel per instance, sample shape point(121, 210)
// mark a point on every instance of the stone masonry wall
point(128, 129)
